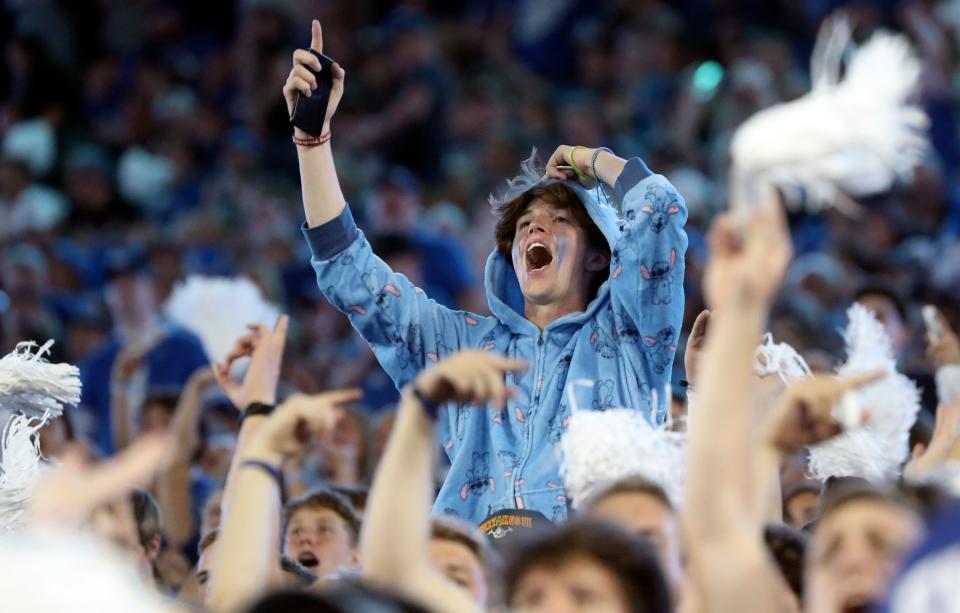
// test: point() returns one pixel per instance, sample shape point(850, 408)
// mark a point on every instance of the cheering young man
point(576, 290)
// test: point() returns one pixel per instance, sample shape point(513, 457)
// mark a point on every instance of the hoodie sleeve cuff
point(330, 238)
point(634, 171)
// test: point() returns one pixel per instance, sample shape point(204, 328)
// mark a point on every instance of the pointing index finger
point(858, 381)
point(316, 39)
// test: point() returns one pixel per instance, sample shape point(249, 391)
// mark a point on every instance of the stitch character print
point(385, 294)
point(659, 276)
point(603, 398)
point(660, 349)
point(661, 204)
point(478, 476)
point(409, 348)
point(509, 460)
point(602, 344)
point(559, 423)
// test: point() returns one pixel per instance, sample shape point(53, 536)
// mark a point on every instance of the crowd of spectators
point(147, 140)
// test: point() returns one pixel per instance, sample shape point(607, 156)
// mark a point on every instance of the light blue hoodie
point(625, 342)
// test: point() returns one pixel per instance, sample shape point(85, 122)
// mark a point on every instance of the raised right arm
point(405, 329)
point(322, 197)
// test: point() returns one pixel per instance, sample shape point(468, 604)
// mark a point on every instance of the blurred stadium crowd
point(148, 139)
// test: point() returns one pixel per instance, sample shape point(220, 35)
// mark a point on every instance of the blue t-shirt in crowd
point(169, 364)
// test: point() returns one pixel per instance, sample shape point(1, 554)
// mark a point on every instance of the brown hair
point(628, 557)
point(146, 512)
point(628, 485)
point(562, 197)
point(326, 499)
point(787, 546)
point(448, 528)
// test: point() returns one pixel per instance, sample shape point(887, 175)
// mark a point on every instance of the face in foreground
point(579, 584)
point(550, 256)
point(319, 539)
point(854, 553)
point(457, 563)
point(647, 516)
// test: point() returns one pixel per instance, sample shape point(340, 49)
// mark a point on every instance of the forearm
point(401, 489)
point(608, 167)
point(248, 431)
point(395, 556)
point(173, 496)
point(767, 492)
point(322, 197)
point(720, 438)
point(246, 551)
point(185, 422)
point(120, 419)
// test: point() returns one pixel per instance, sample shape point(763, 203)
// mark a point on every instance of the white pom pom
point(30, 384)
point(60, 571)
point(19, 468)
point(852, 136)
point(218, 309)
point(600, 448)
point(876, 450)
point(779, 359)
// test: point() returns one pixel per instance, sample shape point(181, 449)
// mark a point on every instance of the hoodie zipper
point(531, 410)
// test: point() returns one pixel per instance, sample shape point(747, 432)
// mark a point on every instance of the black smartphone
point(310, 111)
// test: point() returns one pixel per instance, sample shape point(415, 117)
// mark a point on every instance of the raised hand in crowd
point(695, 341)
point(173, 488)
point(247, 549)
point(69, 494)
point(302, 81)
point(805, 413)
point(747, 263)
point(570, 162)
point(396, 535)
point(265, 348)
point(730, 568)
point(298, 421)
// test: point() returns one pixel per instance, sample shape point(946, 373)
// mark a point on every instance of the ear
point(597, 261)
point(153, 548)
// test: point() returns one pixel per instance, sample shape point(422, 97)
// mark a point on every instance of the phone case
point(310, 111)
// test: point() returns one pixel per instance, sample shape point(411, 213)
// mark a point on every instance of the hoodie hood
point(500, 280)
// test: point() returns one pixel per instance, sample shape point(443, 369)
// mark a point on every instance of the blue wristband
point(273, 471)
point(430, 408)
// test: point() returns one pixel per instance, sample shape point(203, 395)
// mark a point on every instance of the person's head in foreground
point(293, 575)
point(558, 253)
point(643, 508)
point(861, 538)
point(586, 566)
point(787, 546)
point(321, 531)
point(133, 524)
point(344, 598)
point(462, 554)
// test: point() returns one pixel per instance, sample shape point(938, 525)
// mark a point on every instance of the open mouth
point(857, 604)
point(538, 256)
point(309, 560)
